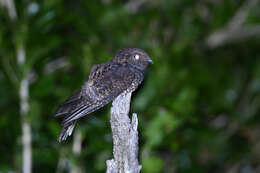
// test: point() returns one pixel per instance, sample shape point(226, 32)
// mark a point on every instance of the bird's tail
point(66, 131)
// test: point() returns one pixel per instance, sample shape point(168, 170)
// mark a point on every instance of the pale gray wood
point(125, 137)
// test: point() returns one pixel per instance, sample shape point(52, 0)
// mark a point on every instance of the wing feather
point(81, 112)
point(70, 104)
point(106, 82)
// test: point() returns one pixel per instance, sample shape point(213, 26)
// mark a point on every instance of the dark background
point(198, 107)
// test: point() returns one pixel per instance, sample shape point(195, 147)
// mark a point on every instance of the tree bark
point(76, 150)
point(23, 94)
point(24, 110)
point(125, 137)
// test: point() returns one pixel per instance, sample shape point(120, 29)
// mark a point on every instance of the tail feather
point(66, 131)
point(65, 109)
point(69, 105)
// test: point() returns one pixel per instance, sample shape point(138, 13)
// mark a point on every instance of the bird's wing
point(70, 104)
point(77, 100)
point(105, 83)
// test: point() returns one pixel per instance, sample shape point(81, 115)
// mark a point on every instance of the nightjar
point(106, 81)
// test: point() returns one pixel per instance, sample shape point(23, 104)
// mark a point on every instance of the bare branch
point(77, 141)
point(235, 30)
point(24, 110)
point(56, 65)
point(23, 95)
point(10, 5)
point(61, 164)
point(134, 5)
point(241, 15)
point(125, 137)
point(222, 37)
point(76, 150)
point(27, 149)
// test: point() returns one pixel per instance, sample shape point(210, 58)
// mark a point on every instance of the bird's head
point(133, 56)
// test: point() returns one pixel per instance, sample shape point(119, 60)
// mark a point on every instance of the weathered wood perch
point(125, 137)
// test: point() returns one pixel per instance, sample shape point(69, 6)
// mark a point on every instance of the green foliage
point(153, 165)
point(198, 106)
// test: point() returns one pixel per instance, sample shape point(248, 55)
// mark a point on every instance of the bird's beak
point(150, 61)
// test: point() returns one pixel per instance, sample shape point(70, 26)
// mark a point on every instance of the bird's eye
point(137, 57)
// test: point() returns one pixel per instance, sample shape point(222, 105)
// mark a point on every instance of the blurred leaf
point(152, 165)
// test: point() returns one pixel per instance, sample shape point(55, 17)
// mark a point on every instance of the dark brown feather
point(106, 81)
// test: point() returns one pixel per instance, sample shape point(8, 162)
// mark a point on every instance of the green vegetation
point(198, 106)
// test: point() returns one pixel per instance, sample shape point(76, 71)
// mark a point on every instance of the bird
point(122, 74)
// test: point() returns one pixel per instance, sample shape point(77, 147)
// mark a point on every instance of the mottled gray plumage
point(106, 81)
